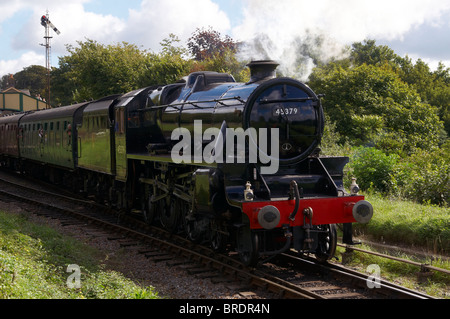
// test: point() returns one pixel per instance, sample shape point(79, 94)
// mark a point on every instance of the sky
point(273, 29)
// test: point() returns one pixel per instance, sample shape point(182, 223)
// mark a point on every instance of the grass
point(34, 261)
point(409, 223)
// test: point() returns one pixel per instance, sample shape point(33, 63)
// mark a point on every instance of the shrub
point(425, 176)
point(374, 170)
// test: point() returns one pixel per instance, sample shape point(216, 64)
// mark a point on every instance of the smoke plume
point(299, 34)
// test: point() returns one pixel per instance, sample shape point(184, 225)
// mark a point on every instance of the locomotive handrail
point(266, 101)
point(194, 103)
point(294, 189)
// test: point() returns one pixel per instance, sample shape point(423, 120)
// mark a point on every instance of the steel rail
point(382, 287)
point(421, 265)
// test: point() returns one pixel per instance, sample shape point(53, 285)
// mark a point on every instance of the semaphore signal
point(47, 24)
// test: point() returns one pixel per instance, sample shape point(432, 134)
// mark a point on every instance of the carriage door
point(120, 143)
point(41, 134)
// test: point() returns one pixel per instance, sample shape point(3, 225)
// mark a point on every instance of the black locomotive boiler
point(233, 165)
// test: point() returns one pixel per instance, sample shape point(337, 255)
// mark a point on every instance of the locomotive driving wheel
point(217, 235)
point(169, 215)
point(326, 242)
point(148, 206)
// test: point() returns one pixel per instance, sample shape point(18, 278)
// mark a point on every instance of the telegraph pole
point(45, 22)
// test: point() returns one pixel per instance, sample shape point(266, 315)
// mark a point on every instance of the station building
point(13, 100)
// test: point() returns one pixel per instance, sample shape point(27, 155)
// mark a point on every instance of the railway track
point(287, 276)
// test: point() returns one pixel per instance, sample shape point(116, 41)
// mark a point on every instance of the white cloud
point(148, 26)
point(26, 59)
point(157, 19)
point(344, 20)
point(73, 22)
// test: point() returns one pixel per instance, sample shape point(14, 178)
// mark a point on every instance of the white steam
point(297, 57)
point(301, 33)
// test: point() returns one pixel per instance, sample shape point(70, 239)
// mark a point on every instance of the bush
point(425, 176)
point(374, 170)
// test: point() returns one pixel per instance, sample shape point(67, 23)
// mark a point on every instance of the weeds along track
point(286, 276)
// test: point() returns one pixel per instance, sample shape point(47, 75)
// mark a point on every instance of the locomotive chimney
point(262, 70)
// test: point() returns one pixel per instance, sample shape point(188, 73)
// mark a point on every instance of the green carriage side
point(50, 136)
point(95, 136)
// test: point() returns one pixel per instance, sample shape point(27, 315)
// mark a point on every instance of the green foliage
point(161, 69)
point(374, 170)
point(93, 70)
point(371, 54)
point(225, 62)
point(433, 87)
point(33, 78)
point(97, 70)
point(425, 176)
point(166, 67)
point(395, 115)
point(372, 106)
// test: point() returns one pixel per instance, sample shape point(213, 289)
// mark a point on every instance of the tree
point(33, 78)
point(372, 106)
point(93, 70)
point(170, 46)
point(372, 54)
point(433, 87)
point(207, 44)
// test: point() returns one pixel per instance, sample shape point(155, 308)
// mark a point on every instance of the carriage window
point(51, 126)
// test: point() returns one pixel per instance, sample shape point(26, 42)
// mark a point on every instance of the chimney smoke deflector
point(262, 70)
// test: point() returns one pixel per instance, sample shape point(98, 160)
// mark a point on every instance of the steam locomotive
point(233, 165)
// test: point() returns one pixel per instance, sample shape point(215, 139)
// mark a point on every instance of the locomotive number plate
point(285, 111)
